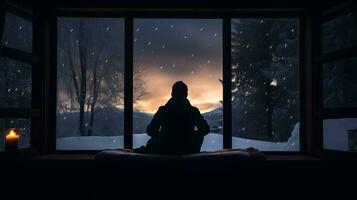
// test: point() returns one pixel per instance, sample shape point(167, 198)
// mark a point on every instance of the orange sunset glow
point(204, 90)
point(171, 50)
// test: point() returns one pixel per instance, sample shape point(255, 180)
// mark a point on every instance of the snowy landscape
point(212, 142)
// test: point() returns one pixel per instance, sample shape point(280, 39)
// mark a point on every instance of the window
point(340, 134)
point(170, 50)
point(17, 33)
point(339, 89)
point(339, 33)
point(22, 125)
point(90, 83)
point(265, 84)
point(90, 79)
point(18, 59)
point(15, 83)
point(338, 62)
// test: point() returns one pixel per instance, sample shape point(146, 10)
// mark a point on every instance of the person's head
point(179, 90)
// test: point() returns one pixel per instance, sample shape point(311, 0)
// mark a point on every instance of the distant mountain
point(107, 122)
point(215, 119)
point(110, 122)
point(140, 121)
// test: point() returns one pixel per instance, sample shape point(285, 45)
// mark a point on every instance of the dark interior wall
point(212, 4)
point(82, 179)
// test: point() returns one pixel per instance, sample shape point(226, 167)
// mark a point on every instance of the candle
point(11, 140)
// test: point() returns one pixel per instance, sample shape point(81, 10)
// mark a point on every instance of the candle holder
point(12, 139)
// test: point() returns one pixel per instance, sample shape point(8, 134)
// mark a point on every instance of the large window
point(18, 60)
point(90, 79)
point(265, 84)
point(90, 83)
point(170, 50)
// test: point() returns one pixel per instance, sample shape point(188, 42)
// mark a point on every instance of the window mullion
point(227, 112)
point(128, 86)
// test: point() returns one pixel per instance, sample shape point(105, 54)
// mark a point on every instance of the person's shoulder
point(195, 109)
point(162, 108)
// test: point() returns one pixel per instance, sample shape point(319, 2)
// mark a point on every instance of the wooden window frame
point(34, 112)
point(224, 15)
point(320, 58)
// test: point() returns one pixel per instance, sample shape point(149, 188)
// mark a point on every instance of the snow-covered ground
point(211, 142)
point(336, 133)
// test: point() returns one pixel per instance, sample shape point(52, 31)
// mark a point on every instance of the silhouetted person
point(177, 127)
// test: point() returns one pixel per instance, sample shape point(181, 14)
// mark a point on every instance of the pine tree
point(264, 78)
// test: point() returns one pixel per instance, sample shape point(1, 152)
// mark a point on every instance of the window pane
point(340, 134)
point(339, 87)
point(22, 125)
point(90, 83)
point(17, 33)
point(265, 84)
point(15, 83)
point(170, 50)
point(339, 33)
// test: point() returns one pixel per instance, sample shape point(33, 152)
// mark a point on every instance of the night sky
point(169, 50)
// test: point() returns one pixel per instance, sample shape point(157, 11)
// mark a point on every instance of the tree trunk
point(83, 81)
point(96, 84)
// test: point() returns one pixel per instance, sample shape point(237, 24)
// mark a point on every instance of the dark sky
point(169, 50)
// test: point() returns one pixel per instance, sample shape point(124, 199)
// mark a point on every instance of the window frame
point(225, 15)
point(33, 113)
point(321, 58)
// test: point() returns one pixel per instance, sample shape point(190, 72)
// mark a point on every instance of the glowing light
point(274, 82)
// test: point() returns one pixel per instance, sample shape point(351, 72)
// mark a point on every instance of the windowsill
point(88, 157)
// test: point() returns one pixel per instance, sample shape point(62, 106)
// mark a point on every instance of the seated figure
point(177, 127)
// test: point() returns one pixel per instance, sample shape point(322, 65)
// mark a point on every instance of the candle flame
point(12, 132)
